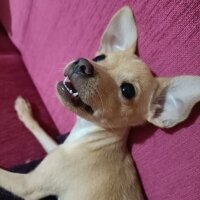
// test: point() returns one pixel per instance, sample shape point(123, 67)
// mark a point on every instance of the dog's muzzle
point(76, 75)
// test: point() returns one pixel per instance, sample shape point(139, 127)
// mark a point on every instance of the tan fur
point(94, 163)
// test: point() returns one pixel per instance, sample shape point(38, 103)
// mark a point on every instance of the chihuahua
point(110, 94)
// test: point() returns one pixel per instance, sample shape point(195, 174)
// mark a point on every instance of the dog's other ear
point(173, 100)
point(121, 33)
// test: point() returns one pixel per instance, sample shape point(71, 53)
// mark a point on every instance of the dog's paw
point(23, 108)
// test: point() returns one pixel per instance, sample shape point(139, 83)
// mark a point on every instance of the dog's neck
point(87, 132)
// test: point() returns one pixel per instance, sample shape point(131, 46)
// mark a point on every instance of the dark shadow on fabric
point(140, 134)
point(6, 46)
point(5, 15)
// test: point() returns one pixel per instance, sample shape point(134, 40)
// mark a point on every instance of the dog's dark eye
point(128, 90)
point(99, 58)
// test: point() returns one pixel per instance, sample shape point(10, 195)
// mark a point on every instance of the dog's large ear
point(174, 100)
point(121, 33)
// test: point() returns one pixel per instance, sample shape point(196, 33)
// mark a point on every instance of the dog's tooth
point(66, 79)
point(75, 94)
point(70, 91)
point(67, 89)
point(64, 83)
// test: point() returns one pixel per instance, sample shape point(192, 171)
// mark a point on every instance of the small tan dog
point(110, 93)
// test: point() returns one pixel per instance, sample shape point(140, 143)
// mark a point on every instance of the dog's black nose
point(83, 67)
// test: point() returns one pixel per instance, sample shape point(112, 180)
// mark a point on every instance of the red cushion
point(17, 145)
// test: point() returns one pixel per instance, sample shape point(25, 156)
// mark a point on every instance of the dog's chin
point(71, 99)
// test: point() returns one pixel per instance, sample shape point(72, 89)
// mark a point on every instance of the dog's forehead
point(119, 60)
point(126, 65)
point(121, 56)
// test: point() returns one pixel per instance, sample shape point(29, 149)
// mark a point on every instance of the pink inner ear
point(174, 103)
point(157, 106)
point(121, 32)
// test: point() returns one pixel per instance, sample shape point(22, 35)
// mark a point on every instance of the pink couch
point(16, 143)
point(50, 33)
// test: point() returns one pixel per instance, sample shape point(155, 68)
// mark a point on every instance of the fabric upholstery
point(51, 33)
point(17, 145)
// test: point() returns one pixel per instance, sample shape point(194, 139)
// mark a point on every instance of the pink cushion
point(51, 33)
point(17, 145)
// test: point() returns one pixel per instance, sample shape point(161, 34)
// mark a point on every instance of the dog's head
point(116, 89)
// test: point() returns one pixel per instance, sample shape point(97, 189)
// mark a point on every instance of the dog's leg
point(42, 181)
point(32, 186)
point(25, 186)
point(24, 113)
point(13, 182)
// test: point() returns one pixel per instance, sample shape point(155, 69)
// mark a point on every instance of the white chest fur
point(82, 129)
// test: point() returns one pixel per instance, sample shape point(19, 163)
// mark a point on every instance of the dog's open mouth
point(67, 90)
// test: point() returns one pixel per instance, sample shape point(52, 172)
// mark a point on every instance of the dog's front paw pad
point(23, 108)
